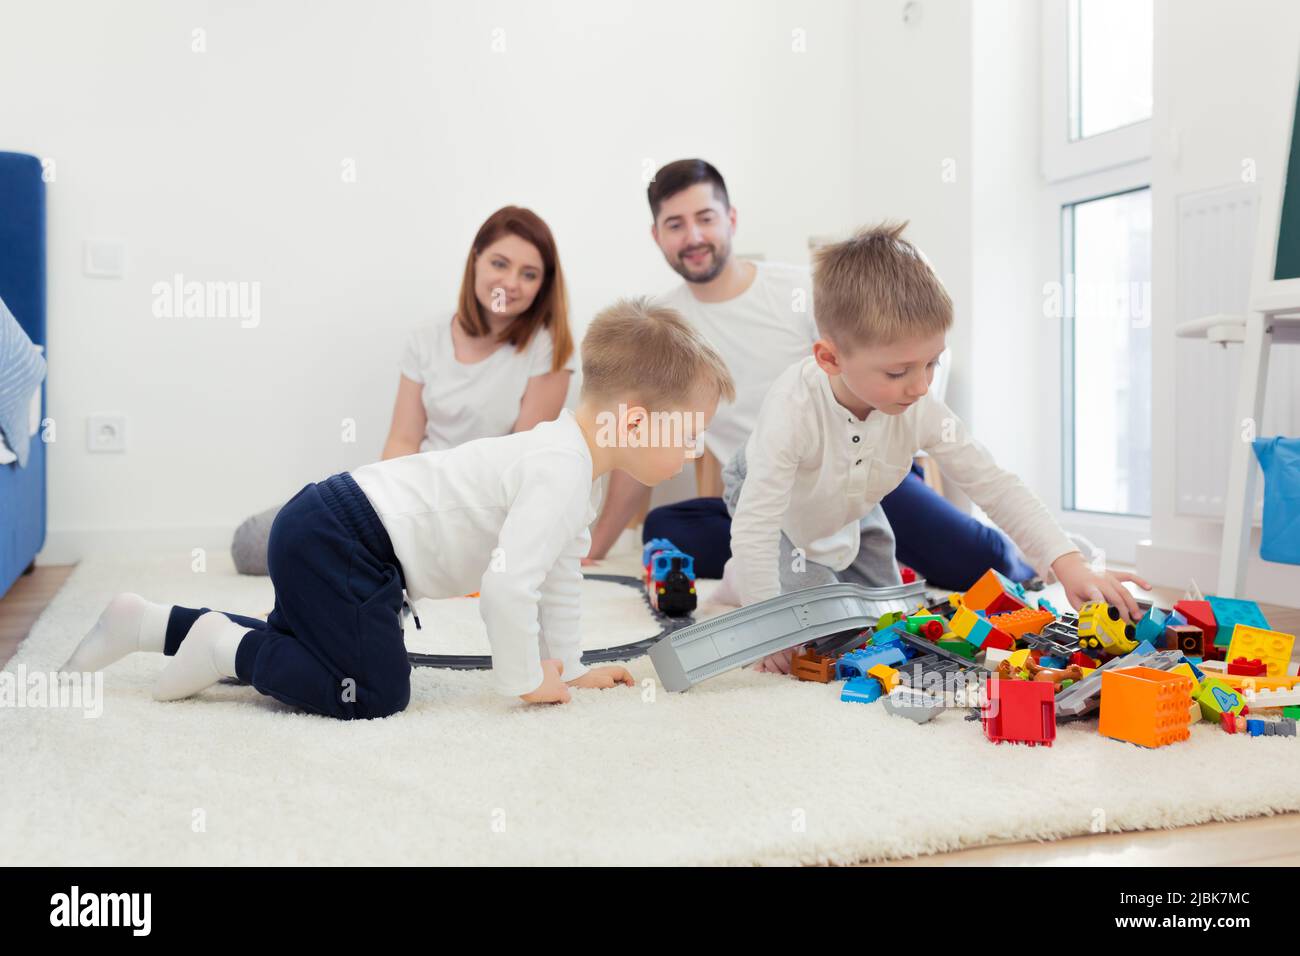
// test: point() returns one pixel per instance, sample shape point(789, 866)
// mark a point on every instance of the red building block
point(1199, 614)
point(1082, 659)
point(1248, 668)
point(996, 638)
point(1018, 711)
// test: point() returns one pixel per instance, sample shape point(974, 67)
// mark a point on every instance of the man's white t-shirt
point(759, 334)
point(468, 401)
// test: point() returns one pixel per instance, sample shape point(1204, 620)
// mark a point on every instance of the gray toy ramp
point(696, 653)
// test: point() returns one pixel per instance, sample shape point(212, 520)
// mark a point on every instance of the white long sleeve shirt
point(505, 516)
point(813, 470)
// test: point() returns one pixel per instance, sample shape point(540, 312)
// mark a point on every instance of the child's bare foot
point(552, 690)
point(128, 624)
point(778, 663)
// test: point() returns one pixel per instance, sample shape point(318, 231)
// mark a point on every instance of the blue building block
point(889, 635)
point(857, 663)
point(862, 690)
point(1229, 612)
point(1143, 649)
point(1175, 620)
point(1046, 605)
point(1152, 625)
point(1255, 727)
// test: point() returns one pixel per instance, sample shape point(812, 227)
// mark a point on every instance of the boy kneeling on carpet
point(504, 516)
point(838, 431)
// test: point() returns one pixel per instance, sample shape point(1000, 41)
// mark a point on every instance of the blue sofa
point(22, 286)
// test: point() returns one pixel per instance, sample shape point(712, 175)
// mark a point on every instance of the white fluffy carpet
point(745, 769)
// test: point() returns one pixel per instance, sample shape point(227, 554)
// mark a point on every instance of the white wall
point(1224, 79)
point(226, 165)
point(1008, 395)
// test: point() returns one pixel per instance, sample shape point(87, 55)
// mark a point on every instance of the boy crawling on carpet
point(838, 431)
point(504, 516)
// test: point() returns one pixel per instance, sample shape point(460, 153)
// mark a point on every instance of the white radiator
point(1216, 243)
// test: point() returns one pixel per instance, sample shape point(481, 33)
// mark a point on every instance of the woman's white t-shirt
point(477, 400)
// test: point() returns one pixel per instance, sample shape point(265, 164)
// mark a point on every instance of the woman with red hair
point(500, 363)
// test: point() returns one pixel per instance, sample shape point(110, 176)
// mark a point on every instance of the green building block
point(1217, 698)
point(958, 646)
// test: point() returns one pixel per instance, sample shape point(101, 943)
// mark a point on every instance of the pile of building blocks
point(1021, 664)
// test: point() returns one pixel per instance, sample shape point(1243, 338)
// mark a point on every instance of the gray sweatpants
point(248, 549)
point(875, 566)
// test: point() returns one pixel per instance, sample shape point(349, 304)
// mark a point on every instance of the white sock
point(726, 592)
point(206, 655)
point(129, 623)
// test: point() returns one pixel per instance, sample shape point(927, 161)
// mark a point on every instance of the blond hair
point(876, 288)
point(650, 354)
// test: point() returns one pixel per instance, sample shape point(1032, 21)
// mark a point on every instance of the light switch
point(104, 258)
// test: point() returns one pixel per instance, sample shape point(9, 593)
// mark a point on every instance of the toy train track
point(829, 616)
point(600, 655)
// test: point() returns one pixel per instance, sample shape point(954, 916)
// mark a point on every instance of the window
point(1110, 47)
point(1097, 63)
point(1107, 353)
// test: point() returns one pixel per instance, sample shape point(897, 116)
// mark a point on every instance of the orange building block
point(1145, 706)
point(1027, 620)
point(993, 594)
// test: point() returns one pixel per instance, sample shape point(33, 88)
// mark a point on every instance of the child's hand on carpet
point(778, 663)
point(552, 690)
point(604, 677)
point(1082, 584)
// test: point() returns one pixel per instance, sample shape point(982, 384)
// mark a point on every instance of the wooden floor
point(24, 603)
point(1262, 841)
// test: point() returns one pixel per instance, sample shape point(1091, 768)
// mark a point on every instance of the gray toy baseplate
point(912, 704)
point(708, 648)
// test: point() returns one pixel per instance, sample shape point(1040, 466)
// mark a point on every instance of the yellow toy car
point(1100, 628)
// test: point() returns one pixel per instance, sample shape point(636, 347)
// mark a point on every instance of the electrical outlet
point(106, 432)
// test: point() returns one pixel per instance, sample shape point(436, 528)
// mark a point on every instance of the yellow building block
point(1241, 681)
point(963, 622)
point(1272, 647)
point(1186, 670)
point(887, 676)
point(1019, 657)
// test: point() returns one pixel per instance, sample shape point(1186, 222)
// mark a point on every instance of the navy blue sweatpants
point(333, 643)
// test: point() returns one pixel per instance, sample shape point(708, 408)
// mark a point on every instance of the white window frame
point(1063, 157)
point(1076, 171)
